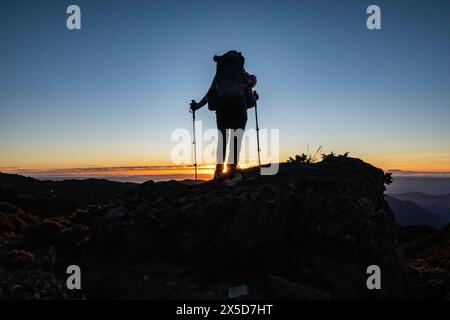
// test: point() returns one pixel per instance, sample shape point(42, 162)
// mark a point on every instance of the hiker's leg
point(239, 123)
point(221, 142)
point(231, 163)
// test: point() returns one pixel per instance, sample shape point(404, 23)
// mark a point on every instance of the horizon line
point(92, 168)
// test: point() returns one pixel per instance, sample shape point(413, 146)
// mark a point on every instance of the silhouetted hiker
point(230, 95)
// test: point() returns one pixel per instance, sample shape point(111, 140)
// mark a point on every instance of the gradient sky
point(112, 93)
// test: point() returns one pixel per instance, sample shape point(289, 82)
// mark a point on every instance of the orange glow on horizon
point(205, 172)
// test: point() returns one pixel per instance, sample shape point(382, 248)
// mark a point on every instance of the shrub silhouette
point(305, 158)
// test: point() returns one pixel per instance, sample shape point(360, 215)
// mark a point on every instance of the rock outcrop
point(309, 232)
point(319, 225)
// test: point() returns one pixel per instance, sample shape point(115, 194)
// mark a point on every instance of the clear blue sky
point(113, 92)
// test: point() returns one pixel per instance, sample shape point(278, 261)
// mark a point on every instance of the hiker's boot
point(231, 171)
point(233, 176)
point(218, 174)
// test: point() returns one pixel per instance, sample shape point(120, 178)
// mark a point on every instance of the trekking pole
point(194, 142)
point(257, 129)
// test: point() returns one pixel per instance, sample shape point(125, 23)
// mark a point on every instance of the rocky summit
point(308, 232)
point(316, 225)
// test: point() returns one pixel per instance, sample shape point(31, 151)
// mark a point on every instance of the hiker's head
point(232, 56)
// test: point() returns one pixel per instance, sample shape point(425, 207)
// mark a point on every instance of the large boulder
point(319, 225)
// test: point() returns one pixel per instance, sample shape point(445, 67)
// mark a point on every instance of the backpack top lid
point(231, 57)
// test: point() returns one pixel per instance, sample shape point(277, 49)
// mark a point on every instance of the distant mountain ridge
point(83, 192)
point(409, 213)
point(437, 204)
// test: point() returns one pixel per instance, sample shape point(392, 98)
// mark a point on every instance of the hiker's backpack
point(230, 81)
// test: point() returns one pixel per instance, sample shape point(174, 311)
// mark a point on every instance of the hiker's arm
point(197, 105)
point(203, 102)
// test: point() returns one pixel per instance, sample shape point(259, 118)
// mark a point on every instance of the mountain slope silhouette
point(409, 213)
point(83, 192)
